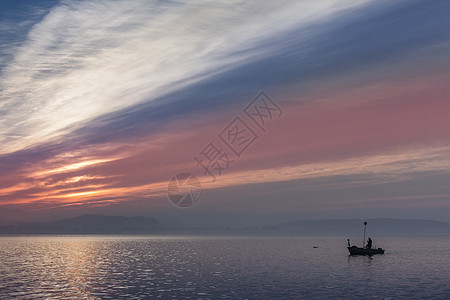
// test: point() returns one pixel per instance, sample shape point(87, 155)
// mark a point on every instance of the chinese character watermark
point(184, 189)
point(213, 160)
point(262, 110)
point(238, 136)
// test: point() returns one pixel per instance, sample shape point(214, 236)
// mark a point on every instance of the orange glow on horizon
point(74, 166)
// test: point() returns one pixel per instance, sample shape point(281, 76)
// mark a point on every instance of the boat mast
point(364, 237)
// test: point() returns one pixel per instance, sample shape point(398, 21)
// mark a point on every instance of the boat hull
point(362, 251)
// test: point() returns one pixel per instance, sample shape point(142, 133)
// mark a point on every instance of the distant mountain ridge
point(88, 224)
point(378, 226)
point(102, 224)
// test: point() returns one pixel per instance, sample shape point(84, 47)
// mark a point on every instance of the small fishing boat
point(365, 249)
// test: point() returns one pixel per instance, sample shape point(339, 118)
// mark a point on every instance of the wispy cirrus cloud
point(86, 59)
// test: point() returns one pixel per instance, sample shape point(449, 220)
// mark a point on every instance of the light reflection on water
point(129, 267)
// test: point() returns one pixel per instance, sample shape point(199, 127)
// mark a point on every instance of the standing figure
point(369, 243)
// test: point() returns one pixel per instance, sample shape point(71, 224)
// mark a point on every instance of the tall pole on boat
point(364, 238)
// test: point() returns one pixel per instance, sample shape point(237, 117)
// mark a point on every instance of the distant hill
point(88, 224)
point(101, 224)
point(355, 227)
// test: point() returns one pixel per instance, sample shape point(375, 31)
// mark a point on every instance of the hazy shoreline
point(120, 225)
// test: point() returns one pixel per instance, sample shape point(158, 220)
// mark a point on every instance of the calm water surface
point(105, 267)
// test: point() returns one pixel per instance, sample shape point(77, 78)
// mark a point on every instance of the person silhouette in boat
point(369, 244)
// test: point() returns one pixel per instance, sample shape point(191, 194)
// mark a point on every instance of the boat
point(365, 249)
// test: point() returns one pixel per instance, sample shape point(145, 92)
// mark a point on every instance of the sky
point(280, 110)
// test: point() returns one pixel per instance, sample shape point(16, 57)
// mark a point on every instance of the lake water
point(129, 267)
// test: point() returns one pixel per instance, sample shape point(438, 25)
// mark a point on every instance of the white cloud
point(88, 58)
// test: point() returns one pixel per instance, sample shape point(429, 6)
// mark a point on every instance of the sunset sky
point(103, 102)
